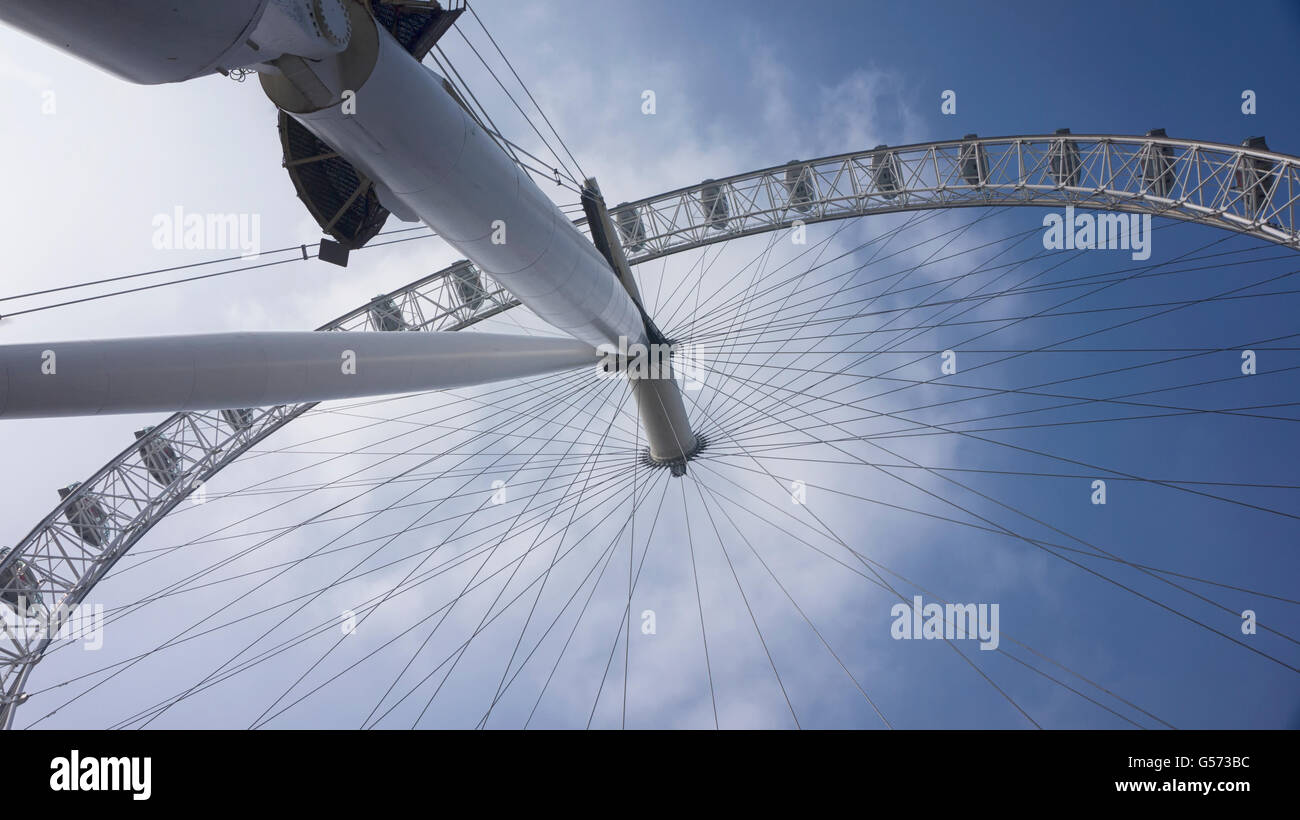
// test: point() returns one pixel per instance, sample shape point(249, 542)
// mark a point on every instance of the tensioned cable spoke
point(904, 275)
point(699, 603)
point(590, 464)
point(381, 547)
point(518, 79)
point(875, 581)
point(610, 552)
point(1008, 270)
point(1092, 333)
point(1039, 546)
point(799, 609)
point(1016, 320)
point(224, 562)
point(438, 570)
point(841, 322)
point(449, 657)
point(626, 614)
point(1096, 551)
point(1113, 558)
point(333, 624)
point(751, 429)
point(871, 259)
point(488, 611)
point(1020, 289)
point(954, 648)
point(541, 399)
point(245, 594)
point(993, 531)
point(753, 619)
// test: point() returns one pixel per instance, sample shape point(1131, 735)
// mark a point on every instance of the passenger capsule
point(87, 516)
point(799, 186)
point(714, 201)
point(469, 286)
point(384, 315)
point(974, 161)
point(20, 586)
point(1064, 156)
point(631, 230)
point(1157, 165)
point(886, 171)
point(1251, 178)
point(159, 457)
point(239, 418)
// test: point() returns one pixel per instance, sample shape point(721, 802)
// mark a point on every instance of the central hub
point(678, 468)
point(649, 368)
point(647, 361)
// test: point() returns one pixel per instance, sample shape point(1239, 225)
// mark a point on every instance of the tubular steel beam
point(245, 370)
point(1238, 188)
point(408, 132)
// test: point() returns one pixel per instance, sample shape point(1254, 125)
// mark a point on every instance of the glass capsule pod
point(87, 516)
point(20, 586)
point(886, 171)
point(384, 315)
point(159, 457)
point(1064, 160)
point(1157, 166)
point(631, 230)
point(469, 286)
point(799, 185)
point(239, 418)
point(1252, 177)
point(974, 162)
point(714, 201)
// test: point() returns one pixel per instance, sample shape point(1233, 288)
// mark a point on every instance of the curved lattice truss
point(1241, 189)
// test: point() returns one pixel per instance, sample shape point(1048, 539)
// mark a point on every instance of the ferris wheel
point(483, 500)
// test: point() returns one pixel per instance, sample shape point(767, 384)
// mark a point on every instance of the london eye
point(906, 458)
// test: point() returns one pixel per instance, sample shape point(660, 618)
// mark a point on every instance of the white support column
point(243, 370)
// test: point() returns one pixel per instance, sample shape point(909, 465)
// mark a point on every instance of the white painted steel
point(241, 370)
point(409, 134)
point(146, 41)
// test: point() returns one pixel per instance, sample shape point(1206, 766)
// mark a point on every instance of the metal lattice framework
point(1241, 189)
point(1236, 188)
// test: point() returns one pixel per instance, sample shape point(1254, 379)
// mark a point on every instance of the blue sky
point(1019, 67)
point(743, 85)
